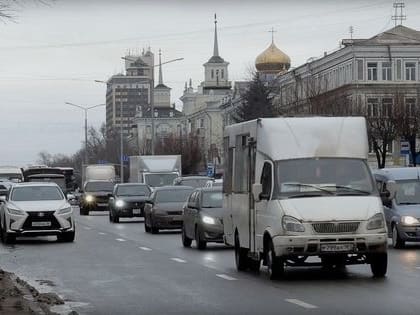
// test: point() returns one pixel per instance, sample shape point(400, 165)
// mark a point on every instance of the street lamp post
point(85, 109)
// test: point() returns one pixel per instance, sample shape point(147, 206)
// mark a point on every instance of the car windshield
point(99, 186)
point(158, 180)
point(133, 190)
point(408, 192)
point(176, 195)
point(194, 182)
point(321, 177)
point(36, 193)
point(212, 199)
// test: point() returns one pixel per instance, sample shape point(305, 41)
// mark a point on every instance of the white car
point(34, 209)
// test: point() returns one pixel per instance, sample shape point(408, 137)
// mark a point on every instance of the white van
point(300, 187)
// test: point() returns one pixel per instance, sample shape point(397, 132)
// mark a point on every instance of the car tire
point(241, 255)
point(186, 241)
point(111, 219)
point(201, 244)
point(83, 211)
point(379, 264)
point(154, 230)
point(66, 237)
point(397, 242)
point(116, 219)
point(275, 265)
point(146, 226)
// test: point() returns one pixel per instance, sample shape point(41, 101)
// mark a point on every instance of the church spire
point(160, 68)
point(216, 45)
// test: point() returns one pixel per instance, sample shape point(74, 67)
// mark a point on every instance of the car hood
point(45, 205)
point(339, 208)
point(169, 206)
point(412, 210)
point(213, 212)
point(133, 198)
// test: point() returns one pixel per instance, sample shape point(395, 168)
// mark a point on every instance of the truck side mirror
point(257, 191)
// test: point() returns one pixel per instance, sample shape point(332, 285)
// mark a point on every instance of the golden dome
point(272, 60)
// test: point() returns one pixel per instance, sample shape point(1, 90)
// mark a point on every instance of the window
point(410, 107)
point(372, 107)
point(410, 71)
point(240, 183)
point(212, 74)
point(372, 68)
point(228, 160)
point(223, 73)
point(386, 71)
point(386, 108)
point(360, 70)
point(399, 69)
point(266, 179)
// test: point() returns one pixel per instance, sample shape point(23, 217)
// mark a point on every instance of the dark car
point(192, 181)
point(128, 201)
point(203, 217)
point(95, 196)
point(164, 210)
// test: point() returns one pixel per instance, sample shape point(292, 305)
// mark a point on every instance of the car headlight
point(208, 220)
point(89, 198)
point(292, 224)
point(376, 222)
point(119, 203)
point(409, 220)
point(64, 211)
point(15, 211)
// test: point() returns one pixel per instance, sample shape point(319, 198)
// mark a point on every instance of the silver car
point(33, 209)
point(402, 213)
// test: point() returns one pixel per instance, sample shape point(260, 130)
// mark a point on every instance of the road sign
point(405, 147)
point(210, 170)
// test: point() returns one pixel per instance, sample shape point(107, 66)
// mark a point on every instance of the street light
point(85, 109)
point(152, 105)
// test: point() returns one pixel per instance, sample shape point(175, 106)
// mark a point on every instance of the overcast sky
point(53, 53)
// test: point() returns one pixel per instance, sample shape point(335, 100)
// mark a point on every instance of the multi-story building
point(127, 92)
point(371, 73)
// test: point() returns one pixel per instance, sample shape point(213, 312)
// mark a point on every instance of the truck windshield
point(12, 177)
point(158, 180)
point(99, 186)
point(322, 177)
point(133, 190)
point(408, 192)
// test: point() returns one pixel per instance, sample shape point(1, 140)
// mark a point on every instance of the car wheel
point(110, 216)
point(153, 229)
point(146, 226)
point(186, 241)
point(116, 219)
point(201, 244)
point(66, 237)
point(379, 264)
point(84, 211)
point(397, 242)
point(241, 255)
point(275, 265)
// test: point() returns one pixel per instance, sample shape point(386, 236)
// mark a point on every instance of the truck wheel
point(201, 244)
point(379, 264)
point(275, 265)
point(66, 237)
point(241, 255)
point(186, 241)
point(397, 242)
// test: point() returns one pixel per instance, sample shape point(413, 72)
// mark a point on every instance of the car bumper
point(314, 245)
point(167, 221)
point(212, 233)
point(409, 233)
point(93, 206)
point(129, 213)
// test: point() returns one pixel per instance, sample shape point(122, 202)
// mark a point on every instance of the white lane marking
point(102, 233)
point(147, 249)
point(301, 303)
point(179, 260)
point(87, 228)
point(120, 239)
point(226, 277)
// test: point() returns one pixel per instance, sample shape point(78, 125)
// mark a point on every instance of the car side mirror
point(391, 187)
point(2, 198)
point(257, 191)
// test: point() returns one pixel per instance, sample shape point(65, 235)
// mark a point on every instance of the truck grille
point(335, 228)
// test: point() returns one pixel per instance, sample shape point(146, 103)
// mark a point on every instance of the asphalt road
point(119, 269)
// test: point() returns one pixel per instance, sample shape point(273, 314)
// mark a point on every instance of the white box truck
point(104, 172)
point(301, 187)
point(155, 170)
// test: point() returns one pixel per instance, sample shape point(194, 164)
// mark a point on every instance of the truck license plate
point(136, 211)
point(336, 247)
point(38, 224)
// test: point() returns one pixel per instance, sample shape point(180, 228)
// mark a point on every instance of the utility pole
point(121, 143)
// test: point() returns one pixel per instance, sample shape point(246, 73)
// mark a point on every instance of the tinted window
point(133, 190)
point(213, 199)
point(36, 193)
point(99, 186)
point(178, 195)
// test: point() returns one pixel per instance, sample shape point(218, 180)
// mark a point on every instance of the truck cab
point(296, 188)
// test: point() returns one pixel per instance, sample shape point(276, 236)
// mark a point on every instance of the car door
point(190, 215)
point(196, 210)
point(148, 206)
point(186, 216)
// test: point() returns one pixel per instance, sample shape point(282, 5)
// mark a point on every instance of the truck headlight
point(119, 203)
point(89, 198)
point(409, 220)
point(15, 211)
point(65, 211)
point(208, 220)
point(292, 224)
point(376, 222)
